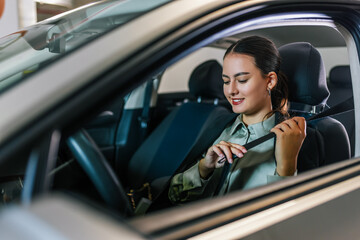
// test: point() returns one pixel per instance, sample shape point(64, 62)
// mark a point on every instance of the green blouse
point(256, 168)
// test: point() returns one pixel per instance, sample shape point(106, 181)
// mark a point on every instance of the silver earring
point(269, 91)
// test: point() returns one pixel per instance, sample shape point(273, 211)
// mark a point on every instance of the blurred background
point(17, 14)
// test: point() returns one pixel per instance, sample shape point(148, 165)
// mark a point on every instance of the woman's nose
point(233, 88)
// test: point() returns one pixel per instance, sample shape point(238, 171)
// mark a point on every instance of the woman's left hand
point(290, 135)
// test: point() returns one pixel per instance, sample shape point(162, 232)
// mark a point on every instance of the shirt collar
point(238, 124)
point(258, 128)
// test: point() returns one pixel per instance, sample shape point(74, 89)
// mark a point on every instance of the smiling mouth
point(237, 101)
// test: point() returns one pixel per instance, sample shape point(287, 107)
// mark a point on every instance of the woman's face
point(245, 87)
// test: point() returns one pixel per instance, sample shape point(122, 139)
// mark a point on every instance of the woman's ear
point(272, 80)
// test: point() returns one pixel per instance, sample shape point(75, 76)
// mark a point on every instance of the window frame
point(168, 52)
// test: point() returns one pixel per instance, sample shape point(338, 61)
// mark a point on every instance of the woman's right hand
point(215, 155)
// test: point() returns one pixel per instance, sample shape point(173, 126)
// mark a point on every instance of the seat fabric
point(340, 88)
point(169, 144)
point(327, 140)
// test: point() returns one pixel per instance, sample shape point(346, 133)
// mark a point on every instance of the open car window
point(122, 131)
point(122, 141)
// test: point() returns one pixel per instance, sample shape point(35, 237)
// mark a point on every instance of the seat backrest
point(340, 88)
point(308, 92)
point(339, 84)
point(169, 144)
point(303, 66)
point(206, 86)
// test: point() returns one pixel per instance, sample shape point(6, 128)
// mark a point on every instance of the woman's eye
point(226, 82)
point(242, 80)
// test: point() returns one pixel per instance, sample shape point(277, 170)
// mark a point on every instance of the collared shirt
point(256, 168)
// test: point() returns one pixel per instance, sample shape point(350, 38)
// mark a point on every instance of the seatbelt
point(186, 138)
point(145, 115)
point(216, 124)
point(342, 107)
point(144, 118)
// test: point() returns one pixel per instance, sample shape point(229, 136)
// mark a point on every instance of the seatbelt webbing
point(345, 106)
point(144, 118)
point(342, 107)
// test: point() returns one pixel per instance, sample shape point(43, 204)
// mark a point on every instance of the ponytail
point(279, 97)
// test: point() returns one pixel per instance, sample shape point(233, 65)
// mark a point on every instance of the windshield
point(28, 50)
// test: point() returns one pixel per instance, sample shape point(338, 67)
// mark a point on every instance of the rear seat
point(340, 88)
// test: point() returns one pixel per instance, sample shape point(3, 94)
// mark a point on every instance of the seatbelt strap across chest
point(345, 106)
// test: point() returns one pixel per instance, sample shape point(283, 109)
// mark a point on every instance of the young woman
point(257, 91)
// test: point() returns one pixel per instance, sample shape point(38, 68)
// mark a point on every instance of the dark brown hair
point(267, 59)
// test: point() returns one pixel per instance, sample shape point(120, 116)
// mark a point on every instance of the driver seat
point(327, 140)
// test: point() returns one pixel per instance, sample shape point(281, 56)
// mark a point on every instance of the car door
point(214, 217)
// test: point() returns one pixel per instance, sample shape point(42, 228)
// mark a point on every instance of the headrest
point(205, 81)
point(340, 75)
point(303, 66)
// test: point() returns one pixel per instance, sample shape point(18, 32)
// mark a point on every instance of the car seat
point(327, 141)
point(340, 90)
point(183, 129)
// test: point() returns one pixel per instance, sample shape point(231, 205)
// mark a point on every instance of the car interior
point(137, 143)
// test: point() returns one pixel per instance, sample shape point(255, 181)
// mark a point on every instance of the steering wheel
point(93, 162)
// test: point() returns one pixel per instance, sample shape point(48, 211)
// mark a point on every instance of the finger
point(224, 143)
point(219, 146)
point(226, 150)
point(292, 124)
point(301, 122)
point(218, 151)
point(277, 131)
point(238, 153)
point(283, 126)
point(228, 144)
point(222, 160)
point(238, 146)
